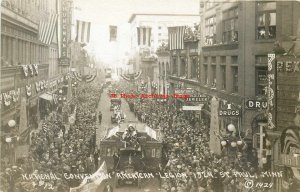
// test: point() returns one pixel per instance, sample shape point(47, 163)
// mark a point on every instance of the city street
point(104, 107)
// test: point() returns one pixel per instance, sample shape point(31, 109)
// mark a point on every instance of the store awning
point(47, 96)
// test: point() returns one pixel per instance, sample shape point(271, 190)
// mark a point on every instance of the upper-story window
point(230, 25)
point(210, 30)
point(266, 20)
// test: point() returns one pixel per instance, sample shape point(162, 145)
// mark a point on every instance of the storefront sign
point(254, 104)
point(288, 90)
point(192, 108)
point(290, 160)
point(229, 111)
point(197, 99)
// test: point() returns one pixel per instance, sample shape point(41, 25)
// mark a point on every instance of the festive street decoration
point(25, 69)
point(77, 76)
point(28, 90)
point(131, 76)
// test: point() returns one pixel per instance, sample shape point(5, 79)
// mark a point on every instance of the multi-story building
point(236, 37)
point(30, 71)
point(148, 32)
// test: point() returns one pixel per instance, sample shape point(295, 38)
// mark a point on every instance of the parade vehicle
point(117, 116)
point(130, 149)
point(115, 103)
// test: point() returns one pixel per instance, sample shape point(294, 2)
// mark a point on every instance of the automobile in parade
point(118, 116)
point(115, 103)
point(128, 148)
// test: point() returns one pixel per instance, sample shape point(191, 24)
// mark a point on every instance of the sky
point(102, 13)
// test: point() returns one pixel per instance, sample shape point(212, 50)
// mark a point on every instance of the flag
point(144, 36)
point(113, 31)
point(175, 35)
point(47, 28)
point(83, 31)
point(290, 137)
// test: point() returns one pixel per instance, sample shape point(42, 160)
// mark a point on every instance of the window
point(159, 27)
point(210, 31)
point(194, 68)
point(261, 80)
point(223, 59)
point(182, 67)
point(214, 76)
point(223, 77)
point(266, 20)
point(213, 60)
point(234, 79)
point(205, 74)
point(153, 153)
point(261, 60)
point(174, 66)
point(205, 60)
point(230, 26)
point(234, 60)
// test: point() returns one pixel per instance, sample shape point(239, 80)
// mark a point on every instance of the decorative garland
point(132, 76)
point(31, 69)
point(16, 95)
point(88, 80)
point(77, 76)
point(35, 66)
point(25, 69)
point(28, 90)
point(7, 99)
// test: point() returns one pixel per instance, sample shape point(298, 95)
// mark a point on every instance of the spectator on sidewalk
point(100, 117)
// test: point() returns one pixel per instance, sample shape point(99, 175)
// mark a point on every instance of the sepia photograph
point(150, 96)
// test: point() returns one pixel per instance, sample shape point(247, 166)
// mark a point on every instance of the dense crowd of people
point(186, 150)
point(61, 147)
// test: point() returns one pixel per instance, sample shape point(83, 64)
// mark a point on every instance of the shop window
point(261, 80)
point(266, 20)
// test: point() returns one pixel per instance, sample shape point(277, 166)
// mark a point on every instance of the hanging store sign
point(197, 99)
point(271, 91)
point(65, 32)
point(255, 104)
point(229, 111)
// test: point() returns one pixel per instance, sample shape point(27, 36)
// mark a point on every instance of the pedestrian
point(100, 117)
point(96, 158)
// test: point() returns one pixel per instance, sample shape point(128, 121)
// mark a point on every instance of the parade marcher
point(100, 117)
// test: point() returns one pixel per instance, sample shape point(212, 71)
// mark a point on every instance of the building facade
point(236, 37)
point(143, 55)
point(30, 70)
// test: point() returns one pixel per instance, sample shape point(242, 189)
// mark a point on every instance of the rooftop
point(158, 14)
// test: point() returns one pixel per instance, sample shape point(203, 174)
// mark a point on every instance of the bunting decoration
point(290, 138)
point(131, 76)
point(16, 95)
point(25, 69)
point(77, 76)
point(28, 90)
point(31, 70)
point(35, 66)
point(90, 78)
point(7, 99)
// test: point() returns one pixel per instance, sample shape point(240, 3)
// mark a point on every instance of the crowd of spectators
point(61, 147)
point(186, 150)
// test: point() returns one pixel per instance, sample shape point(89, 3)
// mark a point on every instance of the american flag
point(83, 31)
point(176, 37)
point(290, 137)
point(47, 28)
point(144, 36)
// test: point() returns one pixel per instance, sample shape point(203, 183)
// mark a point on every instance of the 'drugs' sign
point(283, 90)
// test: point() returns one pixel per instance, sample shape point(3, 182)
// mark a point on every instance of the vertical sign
point(65, 32)
point(288, 91)
point(271, 91)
